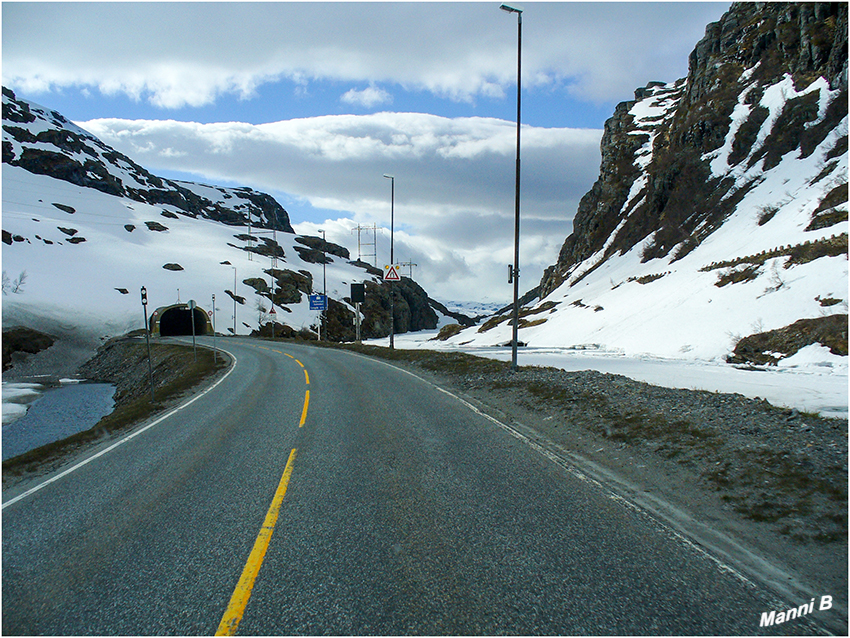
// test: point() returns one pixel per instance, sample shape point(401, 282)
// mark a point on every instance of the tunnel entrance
point(177, 320)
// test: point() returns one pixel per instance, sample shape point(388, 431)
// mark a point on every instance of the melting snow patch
point(16, 399)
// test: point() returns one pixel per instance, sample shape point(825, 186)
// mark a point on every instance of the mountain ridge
point(65, 151)
point(83, 225)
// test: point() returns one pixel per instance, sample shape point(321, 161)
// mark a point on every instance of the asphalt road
point(393, 509)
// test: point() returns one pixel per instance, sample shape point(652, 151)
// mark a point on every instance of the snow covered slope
point(84, 228)
point(87, 266)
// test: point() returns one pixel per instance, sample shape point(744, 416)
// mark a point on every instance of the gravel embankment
point(771, 464)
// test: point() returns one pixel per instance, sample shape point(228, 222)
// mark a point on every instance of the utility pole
point(271, 299)
point(410, 266)
point(361, 244)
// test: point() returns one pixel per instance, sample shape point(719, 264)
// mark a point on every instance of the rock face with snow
point(766, 81)
point(720, 210)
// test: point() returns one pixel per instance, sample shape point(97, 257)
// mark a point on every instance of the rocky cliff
point(767, 80)
point(720, 210)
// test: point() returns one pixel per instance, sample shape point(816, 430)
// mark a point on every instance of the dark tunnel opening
point(178, 322)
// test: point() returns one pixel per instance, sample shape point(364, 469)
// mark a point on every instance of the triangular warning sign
point(391, 274)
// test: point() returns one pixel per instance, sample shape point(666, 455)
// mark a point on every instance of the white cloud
point(178, 54)
point(454, 184)
point(368, 97)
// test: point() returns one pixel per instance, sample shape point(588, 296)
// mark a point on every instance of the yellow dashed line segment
point(304, 411)
point(242, 594)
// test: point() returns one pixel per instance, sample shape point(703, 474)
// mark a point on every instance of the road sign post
point(320, 303)
point(148, 338)
point(192, 319)
point(391, 275)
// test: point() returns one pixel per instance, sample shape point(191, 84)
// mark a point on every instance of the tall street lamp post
point(234, 300)
point(323, 317)
point(515, 271)
point(392, 260)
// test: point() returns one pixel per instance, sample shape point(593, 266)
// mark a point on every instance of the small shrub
point(447, 332)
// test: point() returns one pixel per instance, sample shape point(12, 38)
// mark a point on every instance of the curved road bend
point(400, 511)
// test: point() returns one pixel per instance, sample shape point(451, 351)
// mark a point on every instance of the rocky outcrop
point(19, 341)
point(316, 250)
point(768, 348)
point(411, 309)
point(656, 181)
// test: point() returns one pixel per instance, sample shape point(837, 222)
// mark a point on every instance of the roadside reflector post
point(215, 348)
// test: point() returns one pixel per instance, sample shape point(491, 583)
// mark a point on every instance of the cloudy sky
point(314, 102)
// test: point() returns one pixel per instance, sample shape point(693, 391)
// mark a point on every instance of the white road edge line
point(76, 467)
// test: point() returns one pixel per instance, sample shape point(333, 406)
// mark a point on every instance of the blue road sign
point(318, 302)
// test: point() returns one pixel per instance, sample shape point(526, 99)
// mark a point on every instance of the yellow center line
point(306, 377)
point(242, 594)
point(299, 363)
point(304, 411)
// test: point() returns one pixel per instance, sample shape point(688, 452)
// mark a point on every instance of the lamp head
point(511, 9)
point(389, 176)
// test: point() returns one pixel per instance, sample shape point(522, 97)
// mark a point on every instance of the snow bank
point(811, 381)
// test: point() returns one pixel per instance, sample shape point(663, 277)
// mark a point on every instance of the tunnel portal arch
point(176, 320)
